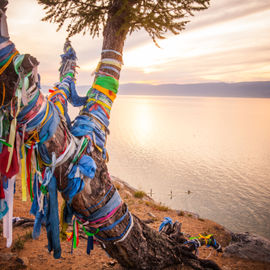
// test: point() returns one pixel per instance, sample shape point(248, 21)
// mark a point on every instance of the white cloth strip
point(67, 154)
point(109, 50)
point(5, 44)
point(128, 231)
point(111, 61)
point(78, 147)
point(7, 220)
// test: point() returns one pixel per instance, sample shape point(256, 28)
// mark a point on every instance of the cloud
point(224, 11)
point(229, 41)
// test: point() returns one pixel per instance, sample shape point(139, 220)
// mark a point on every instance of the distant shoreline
point(258, 89)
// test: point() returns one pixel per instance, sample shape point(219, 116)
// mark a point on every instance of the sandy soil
point(34, 254)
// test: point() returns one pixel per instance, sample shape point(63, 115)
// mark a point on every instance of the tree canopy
point(155, 17)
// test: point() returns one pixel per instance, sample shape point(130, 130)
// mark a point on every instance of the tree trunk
point(143, 248)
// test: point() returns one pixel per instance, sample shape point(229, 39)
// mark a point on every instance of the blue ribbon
point(87, 167)
point(52, 220)
point(117, 237)
point(39, 215)
point(90, 244)
point(7, 50)
point(110, 227)
point(84, 125)
point(167, 220)
point(68, 86)
point(107, 208)
point(3, 210)
point(74, 186)
point(94, 206)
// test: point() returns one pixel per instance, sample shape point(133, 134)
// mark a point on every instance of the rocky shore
point(241, 251)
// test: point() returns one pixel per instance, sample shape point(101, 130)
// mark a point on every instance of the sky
point(229, 42)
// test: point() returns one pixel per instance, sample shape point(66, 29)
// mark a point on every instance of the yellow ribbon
point(63, 224)
point(3, 68)
point(23, 174)
point(111, 95)
point(4, 94)
point(60, 106)
point(98, 67)
point(99, 102)
point(113, 63)
point(205, 238)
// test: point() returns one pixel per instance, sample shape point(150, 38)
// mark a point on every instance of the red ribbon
point(2, 193)
point(14, 167)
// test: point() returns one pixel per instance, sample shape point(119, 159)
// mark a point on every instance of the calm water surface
point(218, 148)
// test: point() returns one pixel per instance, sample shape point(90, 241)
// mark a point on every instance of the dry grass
point(139, 194)
point(181, 214)
point(118, 187)
point(158, 207)
point(19, 243)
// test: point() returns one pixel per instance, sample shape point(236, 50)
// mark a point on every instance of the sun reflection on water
point(142, 122)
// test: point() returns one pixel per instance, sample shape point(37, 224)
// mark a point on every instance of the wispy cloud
point(224, 11)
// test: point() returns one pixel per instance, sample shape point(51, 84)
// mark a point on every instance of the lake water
point(216, 148)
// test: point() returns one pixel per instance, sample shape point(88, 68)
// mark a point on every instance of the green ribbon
point(66, 75)
point(89, 233)
point(5, 143)
point(85, 143)
point(108, 82)
point(43, 189)
point(86, 232)
point(2, 63)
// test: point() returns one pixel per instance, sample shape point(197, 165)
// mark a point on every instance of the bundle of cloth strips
point(29, 120)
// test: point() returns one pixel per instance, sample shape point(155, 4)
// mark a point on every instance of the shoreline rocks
point(249, 246)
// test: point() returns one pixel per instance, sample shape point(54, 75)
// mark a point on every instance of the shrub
point(181, 213)
point(19, 243)
point(139, 194)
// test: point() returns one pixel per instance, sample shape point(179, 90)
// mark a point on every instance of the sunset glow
point(229, 46)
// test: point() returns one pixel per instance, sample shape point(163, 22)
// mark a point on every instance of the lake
point(211, 154)
point(206, 155)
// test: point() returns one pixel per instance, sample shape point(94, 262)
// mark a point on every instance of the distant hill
point(242, 89)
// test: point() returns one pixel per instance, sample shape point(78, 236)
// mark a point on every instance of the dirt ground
point(27, 253)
